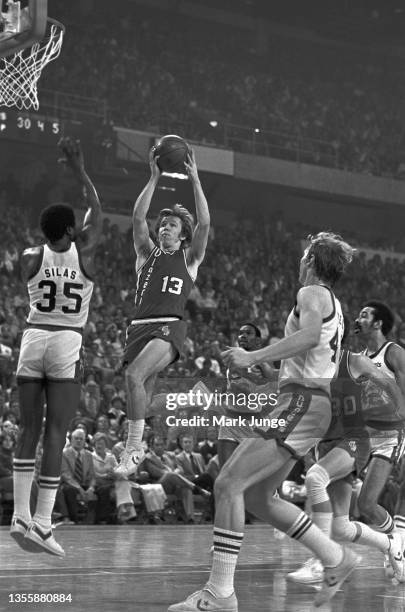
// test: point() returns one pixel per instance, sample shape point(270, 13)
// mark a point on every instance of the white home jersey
point(59, 291)
point(317, 367)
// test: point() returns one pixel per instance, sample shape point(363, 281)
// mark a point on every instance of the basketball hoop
point(19, 73)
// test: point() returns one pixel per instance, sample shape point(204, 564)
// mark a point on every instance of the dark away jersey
point(347, 416)
point(163, 285)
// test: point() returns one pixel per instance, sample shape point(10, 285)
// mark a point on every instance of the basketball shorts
point(356, 445)
point(51, 355)
point(236, 433)
point(389, 445)
point(307, 414)
point(239, 432)
point(139, 335)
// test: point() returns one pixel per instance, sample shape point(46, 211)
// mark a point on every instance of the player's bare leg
point(62, 399)
point(225, 450)
point(355, 531)
point(153, 358)
point(399, 517)
point(31, 415)
point(377, 475)
point(254, 461)
point(337, 463)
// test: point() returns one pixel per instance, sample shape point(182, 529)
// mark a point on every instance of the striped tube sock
point(48, 486)
point(23, 475)
point(400, 525)
point(226, 549)
point(387, 526)
point(312, 537)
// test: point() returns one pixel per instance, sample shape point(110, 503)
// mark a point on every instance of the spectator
point(160, 466)
point(191, 465)
point(103, 426)
point(108, 485)
point(205, 360)
point(208, 447)
point(7, 446)
point(78, 479)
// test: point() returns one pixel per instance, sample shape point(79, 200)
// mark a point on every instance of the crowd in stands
point(249, 274)
point(337, 107)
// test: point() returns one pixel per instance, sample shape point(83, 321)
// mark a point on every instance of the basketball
point(172, 151)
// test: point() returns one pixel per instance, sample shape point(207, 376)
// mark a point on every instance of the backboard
point(22, 23)
point(29, 40)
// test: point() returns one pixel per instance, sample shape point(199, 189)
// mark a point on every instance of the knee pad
point(344, 529)
point(316, 482)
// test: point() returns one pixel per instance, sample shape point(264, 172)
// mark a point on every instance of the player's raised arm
point(202, 228)
point(89, 235)
point(142, 242)
point(29, 262)
point(311, 303)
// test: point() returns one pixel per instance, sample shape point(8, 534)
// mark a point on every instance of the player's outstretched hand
point(191, 166)
point(153, 163)
point(72, 153)
point(237, 357)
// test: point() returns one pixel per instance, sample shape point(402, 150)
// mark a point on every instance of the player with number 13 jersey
point(164, 284)
point(166, 273)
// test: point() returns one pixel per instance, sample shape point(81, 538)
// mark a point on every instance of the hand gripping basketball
point(153, 163)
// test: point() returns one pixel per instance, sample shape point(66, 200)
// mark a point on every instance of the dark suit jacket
point(184, 464)
point(207, 451)
point(157, 466)
point(68, 468)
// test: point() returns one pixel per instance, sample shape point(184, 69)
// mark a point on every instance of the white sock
point(23, 475)
point(226, 549)
point(400, 525)
point(135, 433)
point(323, 520)
point(354, 531)
point(48, 486)
point(325, 549)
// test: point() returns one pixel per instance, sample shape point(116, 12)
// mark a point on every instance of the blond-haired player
point(309, 354)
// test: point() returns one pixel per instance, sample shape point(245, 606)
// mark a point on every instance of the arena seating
point(340, 109)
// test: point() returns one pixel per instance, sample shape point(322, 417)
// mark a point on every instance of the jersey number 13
point(172, 284)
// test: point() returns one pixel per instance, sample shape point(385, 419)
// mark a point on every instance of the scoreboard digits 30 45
point(29, 127)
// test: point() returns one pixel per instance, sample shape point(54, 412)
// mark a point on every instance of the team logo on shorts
point(352, 446)
point(165, 330)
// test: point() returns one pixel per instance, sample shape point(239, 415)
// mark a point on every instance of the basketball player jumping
point(344, 450)
point(166, 274)
point(309, 354)
point(58, 276)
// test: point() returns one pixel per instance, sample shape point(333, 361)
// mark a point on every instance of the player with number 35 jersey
point(58, 277)
point(60, 290)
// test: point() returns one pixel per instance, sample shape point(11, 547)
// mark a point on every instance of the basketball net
point(20, 72)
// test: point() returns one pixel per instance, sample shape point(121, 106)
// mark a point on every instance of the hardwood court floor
point(146, 568)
